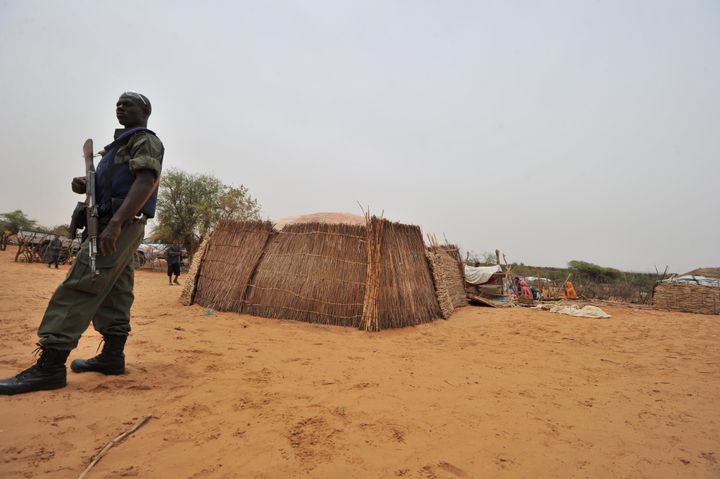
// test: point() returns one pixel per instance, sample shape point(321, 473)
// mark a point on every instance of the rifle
point(91, 204)
point(86, 213)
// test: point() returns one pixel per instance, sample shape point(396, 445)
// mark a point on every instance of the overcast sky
point(553, 130)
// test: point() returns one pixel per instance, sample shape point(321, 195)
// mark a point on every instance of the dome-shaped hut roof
point(333, 218)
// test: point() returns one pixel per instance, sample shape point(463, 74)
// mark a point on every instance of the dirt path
point(488, 393)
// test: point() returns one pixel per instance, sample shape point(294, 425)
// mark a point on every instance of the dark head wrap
point(140, 100)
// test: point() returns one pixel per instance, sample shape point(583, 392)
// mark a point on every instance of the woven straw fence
point(230, 260)
point(371, 277)
point(455, 279)
point(454, 252)
point(449, 285)
point(406, 293)
point(687, 297)
point(312, 272)
point(190, 286)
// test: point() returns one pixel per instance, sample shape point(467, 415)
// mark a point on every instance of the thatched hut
point(697, 291)
point(371, 276)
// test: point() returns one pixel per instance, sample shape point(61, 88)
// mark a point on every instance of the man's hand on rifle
point(79, 184)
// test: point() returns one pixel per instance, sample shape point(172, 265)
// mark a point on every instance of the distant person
point(173, 255)
point(53, 252)
point(525, 291)
point(126, 188)
point(570, 290)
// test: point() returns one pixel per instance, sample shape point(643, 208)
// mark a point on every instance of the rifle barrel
point(91, 203)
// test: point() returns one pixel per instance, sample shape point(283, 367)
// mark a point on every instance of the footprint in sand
point(311, 440)
point(365, 385)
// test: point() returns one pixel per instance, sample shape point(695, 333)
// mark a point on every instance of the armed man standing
point(53, 252)
point(126, 189)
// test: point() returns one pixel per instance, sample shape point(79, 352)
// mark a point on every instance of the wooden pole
point(109, 445)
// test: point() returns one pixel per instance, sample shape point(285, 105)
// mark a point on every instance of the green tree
point(189, 205)
point(60, 230)
point(15, 221)
point(11, 223)
point(237, 204)
point(593, 272)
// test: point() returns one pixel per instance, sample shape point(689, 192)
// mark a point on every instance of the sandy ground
point(488, 393)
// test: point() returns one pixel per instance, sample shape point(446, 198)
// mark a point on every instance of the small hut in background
point(373, 275)
point(697, 291)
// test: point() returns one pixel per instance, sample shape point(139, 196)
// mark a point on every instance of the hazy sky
point(553, 130)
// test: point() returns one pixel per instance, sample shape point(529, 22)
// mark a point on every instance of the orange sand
point(488, 393)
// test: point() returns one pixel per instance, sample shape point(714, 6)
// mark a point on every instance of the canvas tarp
point(480, 274)
point(692, 279)
point(588, 311)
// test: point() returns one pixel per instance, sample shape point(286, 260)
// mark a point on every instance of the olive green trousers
point(104, 300)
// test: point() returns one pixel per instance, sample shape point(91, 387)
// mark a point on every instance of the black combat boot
point(110, 361)
point(48, 373)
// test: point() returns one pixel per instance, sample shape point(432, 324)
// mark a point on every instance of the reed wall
point(449, 284)
point(187, 296)
point(372, 277)
point(406, 295)
point(313, 272)
point(687, 297)
point(230, 260)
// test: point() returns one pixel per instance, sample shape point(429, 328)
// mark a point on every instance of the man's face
point(129, 113)
point(176, 242)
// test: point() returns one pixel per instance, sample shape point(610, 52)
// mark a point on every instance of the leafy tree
point(60, 230)
point(593, 272)
point(189, 205)
point(237, 204)
point(11, 223)
point(15, 221)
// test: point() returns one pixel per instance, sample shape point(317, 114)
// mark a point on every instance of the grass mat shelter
point(373, 276)
point(702, 297)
